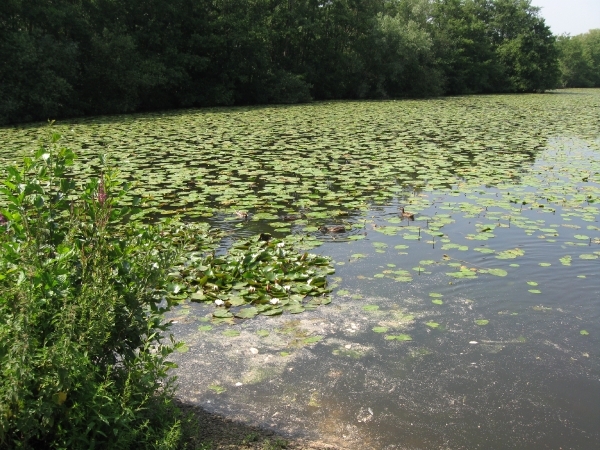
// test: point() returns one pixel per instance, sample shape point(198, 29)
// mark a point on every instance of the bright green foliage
point(580, 59)
point(82, 344)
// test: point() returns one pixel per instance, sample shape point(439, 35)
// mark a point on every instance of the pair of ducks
point(342, 229)
point(327, 229)
point(333, 229)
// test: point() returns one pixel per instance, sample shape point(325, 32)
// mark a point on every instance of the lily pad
point(399, 337)
point(231, 333)
point(380, 329)
point(370, 308)
point(246, 313)
point(312, 340)
point(498, 272)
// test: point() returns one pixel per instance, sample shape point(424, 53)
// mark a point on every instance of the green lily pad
point(222, 314)
point(217, 388)
point(231, 333)
point(370, 308)
point(246, 313)
point(312, 340)
point(498, 272)
point(399, 337)
point(380, 329)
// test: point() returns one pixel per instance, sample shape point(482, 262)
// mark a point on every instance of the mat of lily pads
point(473, 324)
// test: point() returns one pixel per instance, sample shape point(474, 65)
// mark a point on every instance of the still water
point(424, 346)
point(473, 326)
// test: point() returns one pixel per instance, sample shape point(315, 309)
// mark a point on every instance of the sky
point(570, 16)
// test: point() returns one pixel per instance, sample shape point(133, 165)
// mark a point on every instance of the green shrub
point(83, 349)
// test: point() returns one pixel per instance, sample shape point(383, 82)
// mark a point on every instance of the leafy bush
point(83, 350)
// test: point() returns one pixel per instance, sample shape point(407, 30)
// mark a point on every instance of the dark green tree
point(524, 45)
point(580, 59)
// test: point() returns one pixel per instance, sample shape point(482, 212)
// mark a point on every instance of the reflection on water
point(508, 361)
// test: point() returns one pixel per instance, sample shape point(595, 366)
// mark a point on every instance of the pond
point(473, 324)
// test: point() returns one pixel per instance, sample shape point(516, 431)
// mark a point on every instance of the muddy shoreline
point(217, 432)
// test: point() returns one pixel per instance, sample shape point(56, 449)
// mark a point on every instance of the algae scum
point(473, 324)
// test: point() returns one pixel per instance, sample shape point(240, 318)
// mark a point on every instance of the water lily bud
point(219, 302)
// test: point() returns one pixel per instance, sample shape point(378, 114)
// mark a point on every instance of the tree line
point(64, 58)
point(580, 59)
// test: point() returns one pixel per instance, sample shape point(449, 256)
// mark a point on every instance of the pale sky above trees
point(570, 16)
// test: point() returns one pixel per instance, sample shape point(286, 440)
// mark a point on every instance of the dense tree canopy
point(580, 59)
point(76, 57)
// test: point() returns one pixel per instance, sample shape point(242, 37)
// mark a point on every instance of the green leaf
point(498, 272)
point(231, 333)
point(222, 314)
point(312, 340)
point(380, 329)
point(370, 308)
point(246, 313)
point(399, 337)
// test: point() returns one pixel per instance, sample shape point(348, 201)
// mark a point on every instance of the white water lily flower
point(281, 244)
point(287, 288)
point(274, 301)
point(219, 302)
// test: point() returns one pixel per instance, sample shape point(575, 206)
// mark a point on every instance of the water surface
point(475, 325)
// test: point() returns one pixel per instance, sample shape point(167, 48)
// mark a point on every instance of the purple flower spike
point(3, 220)
point(101, 192)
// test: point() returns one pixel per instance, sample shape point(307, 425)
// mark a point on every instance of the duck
point(406, 214)
point(333, 229)
point(241, 214)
